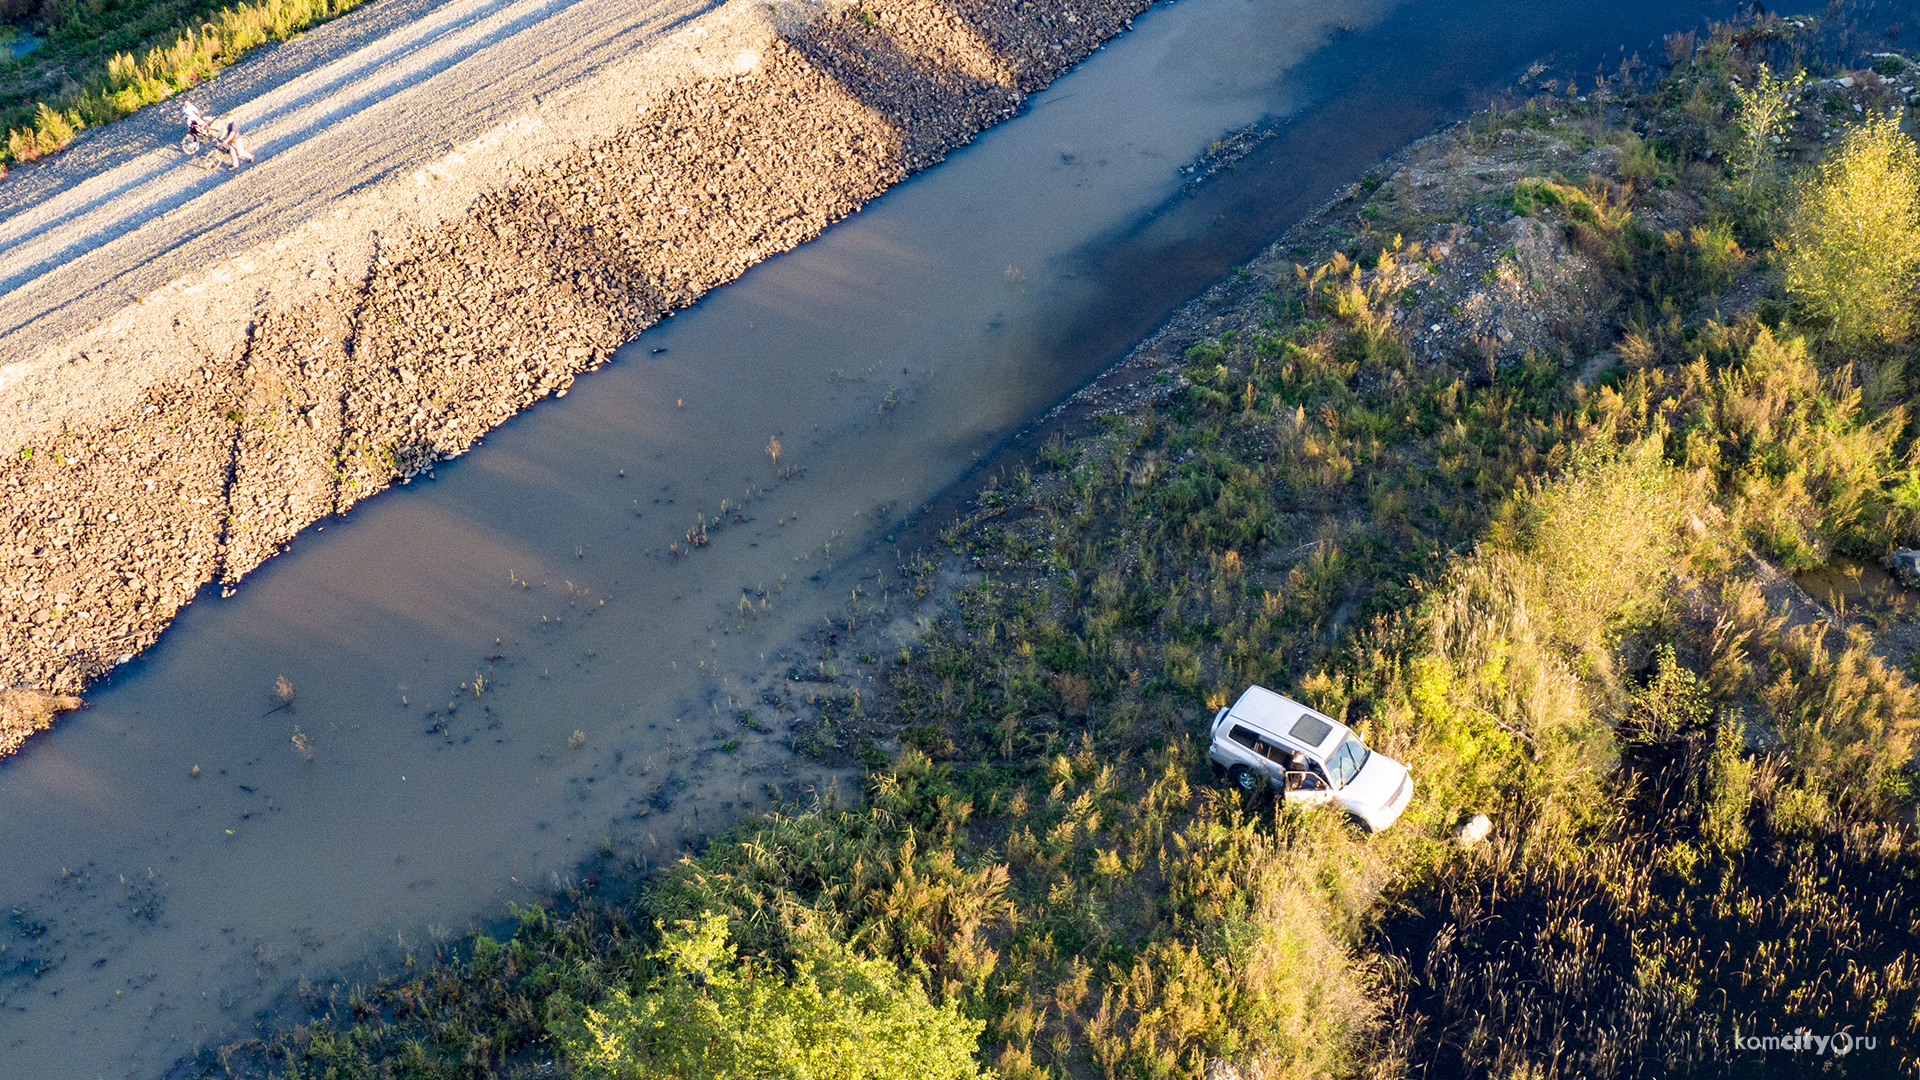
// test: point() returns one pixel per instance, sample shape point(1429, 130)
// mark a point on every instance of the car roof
point(1278, 716)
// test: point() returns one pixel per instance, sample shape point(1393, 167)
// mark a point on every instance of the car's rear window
point(1310, 729)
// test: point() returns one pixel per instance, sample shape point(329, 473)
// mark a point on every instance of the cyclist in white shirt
point(198, 126)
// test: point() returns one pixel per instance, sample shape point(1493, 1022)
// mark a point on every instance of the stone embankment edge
point(114, 524)
point(208, 313)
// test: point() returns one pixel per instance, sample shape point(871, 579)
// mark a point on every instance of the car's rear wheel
point(1248, 782)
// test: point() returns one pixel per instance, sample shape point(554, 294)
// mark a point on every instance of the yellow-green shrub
point(1800, 462)
point(1260, 972)
point(1599, 537)
point(1851, 252)
point(1766, 112)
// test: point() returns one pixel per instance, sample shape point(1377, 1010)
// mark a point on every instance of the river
point(175, 859)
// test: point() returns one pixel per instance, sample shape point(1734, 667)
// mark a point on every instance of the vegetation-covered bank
point(1512, 473)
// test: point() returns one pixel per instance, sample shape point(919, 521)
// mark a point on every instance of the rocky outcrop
point(114, 523)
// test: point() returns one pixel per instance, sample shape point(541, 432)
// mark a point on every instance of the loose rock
point(1474, 831)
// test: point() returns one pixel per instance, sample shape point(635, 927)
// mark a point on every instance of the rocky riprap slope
point(109, 527)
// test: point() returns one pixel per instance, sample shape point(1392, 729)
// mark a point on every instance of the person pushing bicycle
point(236, 146)
point(225, 132)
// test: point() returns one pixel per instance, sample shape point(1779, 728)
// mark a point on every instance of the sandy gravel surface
point(199, 364)
point(339, 120)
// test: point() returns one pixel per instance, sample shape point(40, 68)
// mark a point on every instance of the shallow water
point(1848, 586)
point(153, 910)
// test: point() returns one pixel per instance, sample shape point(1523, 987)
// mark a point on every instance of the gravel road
point(364, 98)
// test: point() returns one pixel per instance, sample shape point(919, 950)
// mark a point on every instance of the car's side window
point(1258, 745)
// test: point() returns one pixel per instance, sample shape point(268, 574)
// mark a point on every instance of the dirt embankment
point(112, 525)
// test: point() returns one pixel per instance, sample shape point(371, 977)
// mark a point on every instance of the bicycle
point(208, 132)
point(199, 134)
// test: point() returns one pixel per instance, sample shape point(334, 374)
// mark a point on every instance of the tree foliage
point(711, 1015)
point(1766, 114)
point(1851, 252)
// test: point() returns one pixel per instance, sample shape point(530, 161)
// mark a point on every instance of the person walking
point(236, 146)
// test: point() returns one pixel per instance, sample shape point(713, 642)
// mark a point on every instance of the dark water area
point(520, 672)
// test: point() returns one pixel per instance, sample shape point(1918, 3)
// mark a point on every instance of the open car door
point(1307, 789)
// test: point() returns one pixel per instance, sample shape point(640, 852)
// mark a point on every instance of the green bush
point(1766, 113)
point(1637, 162)
point(1600, 536)
point(709, 1014)
point(1802, 464)
point(51, 130)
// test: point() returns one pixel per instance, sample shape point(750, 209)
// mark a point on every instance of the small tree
point(1851, 250)
point(1766, 110)
point(712, 1017)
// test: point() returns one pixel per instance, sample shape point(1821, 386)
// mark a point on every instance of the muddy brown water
point(1848, 586)
point(150, 911)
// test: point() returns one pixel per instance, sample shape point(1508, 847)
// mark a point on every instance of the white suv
point(1265, 740)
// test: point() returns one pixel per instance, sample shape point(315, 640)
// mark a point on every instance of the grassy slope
point(1551, 601)
point(101, 60)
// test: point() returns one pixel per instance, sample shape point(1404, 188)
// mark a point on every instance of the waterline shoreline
point(116, 522)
